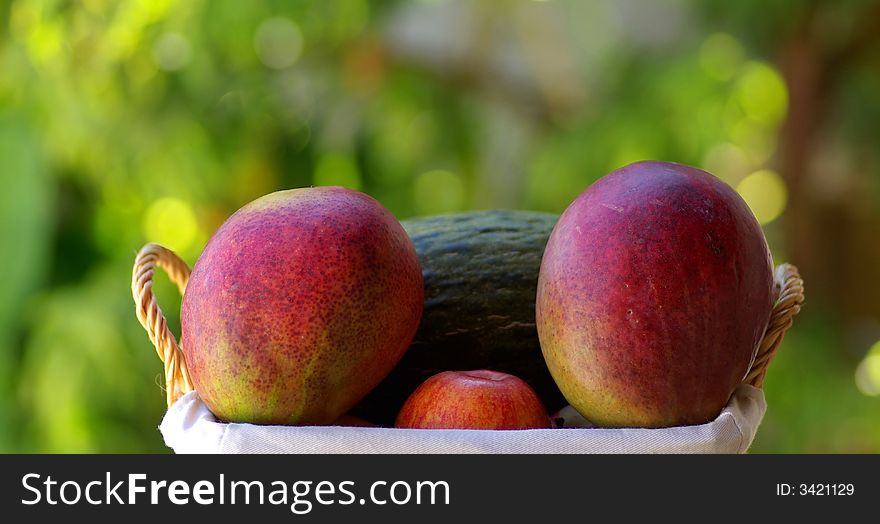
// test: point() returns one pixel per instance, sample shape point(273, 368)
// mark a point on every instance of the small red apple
point(480, 399)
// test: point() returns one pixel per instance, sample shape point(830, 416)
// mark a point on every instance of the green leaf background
point(123, 122)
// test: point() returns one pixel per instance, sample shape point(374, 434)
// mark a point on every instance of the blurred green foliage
point(123, 122)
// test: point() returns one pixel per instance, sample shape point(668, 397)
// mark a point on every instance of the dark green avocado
point(481, 274)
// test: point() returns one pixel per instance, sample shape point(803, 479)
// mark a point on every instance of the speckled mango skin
point(480, 399)
point(654, 292)
point(302, 301)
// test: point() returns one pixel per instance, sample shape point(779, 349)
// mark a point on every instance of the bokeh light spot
point(756, 140)
point(726, 161)
point(438, 191)
point(765, 193)
point(172, 52)
point(762, 93)
point(172, 223)
point(868, 372)
point(721, 55)
point(278, 42)
point(337, 170)
point(45, 41)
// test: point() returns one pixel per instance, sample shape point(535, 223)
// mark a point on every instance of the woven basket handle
point(177, 381)
point(789, 292)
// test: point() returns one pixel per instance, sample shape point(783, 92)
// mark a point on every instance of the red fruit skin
point(479, 399)
point(654, 292)
point(300, 304)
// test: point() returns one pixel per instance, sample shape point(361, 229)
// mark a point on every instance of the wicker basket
point(189, 426)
